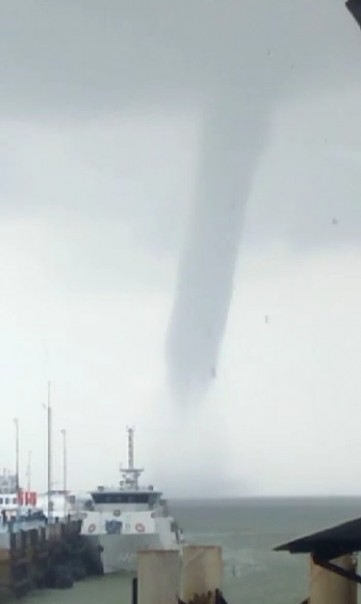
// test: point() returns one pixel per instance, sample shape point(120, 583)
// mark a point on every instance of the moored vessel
point(120, 521)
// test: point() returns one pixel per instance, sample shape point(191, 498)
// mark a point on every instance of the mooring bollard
point(328, 587)
point(201, 572)
point(158, 576)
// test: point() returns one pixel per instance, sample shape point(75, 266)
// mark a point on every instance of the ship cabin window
point(89, 505)
point(125, 498)
point(14, 500)
point(1, 500)
point(7, 500)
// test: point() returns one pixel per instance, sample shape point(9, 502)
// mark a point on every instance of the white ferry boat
point(14, 502)
point(120, 521)
point(18, 503)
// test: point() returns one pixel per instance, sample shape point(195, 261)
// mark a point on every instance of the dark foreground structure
point(35, 555)
point(354, 6)
point(170, 577)
point(333, 564)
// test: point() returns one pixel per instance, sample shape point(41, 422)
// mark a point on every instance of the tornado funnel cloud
point(233, 136)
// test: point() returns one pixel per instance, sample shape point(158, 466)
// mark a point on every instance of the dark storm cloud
point(81, 59)
point(79, 56)
point(230, 61)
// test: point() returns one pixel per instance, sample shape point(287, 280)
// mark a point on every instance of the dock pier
point(34, 554)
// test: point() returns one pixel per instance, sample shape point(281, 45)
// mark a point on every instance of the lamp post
point(63, 432)
point(17, 481)
point(28, 472)
point(16, 422)
point(48, 409)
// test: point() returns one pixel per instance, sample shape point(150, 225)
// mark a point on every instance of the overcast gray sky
point(106, 109)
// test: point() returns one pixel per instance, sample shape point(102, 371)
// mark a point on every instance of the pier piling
point(327, 587)
point(333, 569)
point(168, 577)
point(158, 577)
point(201, 575)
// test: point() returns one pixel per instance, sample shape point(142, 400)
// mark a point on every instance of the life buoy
point(139, 527)
point(91, 528)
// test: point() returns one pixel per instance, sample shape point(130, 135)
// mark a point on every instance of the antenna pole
point(49, 454)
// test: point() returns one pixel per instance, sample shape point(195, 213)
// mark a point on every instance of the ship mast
point(131, 474)
point(130, 448)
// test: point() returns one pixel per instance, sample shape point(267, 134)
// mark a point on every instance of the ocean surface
point(247, 530)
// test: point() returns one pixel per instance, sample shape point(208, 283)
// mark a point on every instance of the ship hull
point(118, 553)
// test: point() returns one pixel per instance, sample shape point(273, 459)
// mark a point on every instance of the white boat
point(63, 504)
point(125, 519)
point(20, 503)
point(18, 509)
point(14, 502)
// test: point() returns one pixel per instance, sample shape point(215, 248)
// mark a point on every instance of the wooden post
point(201, 571)
point(158, 576)
point(327, 587)
point(134, 590)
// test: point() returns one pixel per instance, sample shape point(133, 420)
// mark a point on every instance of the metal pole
point(17, 482)
point(16, 422)
point(49, 455)
point(64, 469)
point(28, 473)
point(130, 448)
